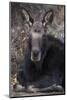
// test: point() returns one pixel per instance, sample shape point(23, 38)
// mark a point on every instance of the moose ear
point(48, 17)
point(27, 17)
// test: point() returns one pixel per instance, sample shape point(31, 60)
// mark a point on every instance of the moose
point(44, 59)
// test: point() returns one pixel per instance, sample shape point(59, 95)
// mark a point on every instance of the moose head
point(37, 29)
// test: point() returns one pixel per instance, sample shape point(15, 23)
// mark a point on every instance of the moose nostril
point(35, 53)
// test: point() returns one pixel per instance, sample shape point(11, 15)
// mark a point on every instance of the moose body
point(44, 56)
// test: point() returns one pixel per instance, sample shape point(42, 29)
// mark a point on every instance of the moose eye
point(37, 30)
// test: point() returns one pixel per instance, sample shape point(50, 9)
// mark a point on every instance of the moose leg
point(53, 88)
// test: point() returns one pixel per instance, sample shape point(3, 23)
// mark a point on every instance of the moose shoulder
point(44, 55)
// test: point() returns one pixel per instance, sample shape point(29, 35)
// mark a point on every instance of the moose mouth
point(36, 58)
